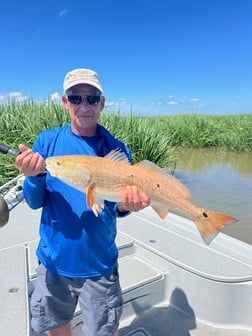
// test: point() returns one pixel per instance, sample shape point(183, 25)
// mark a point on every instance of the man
point(77, 251)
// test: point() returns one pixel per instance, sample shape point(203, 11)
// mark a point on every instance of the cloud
point(13, 96)
point(154, 103)
point(120, 102)
point(194, 100)
point(20, 97)
point(109, 104)
point(238, 98)
point(172, 102)
point(63, 12)
point(56, 97)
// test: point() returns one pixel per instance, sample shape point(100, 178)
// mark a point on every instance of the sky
point(154, 57)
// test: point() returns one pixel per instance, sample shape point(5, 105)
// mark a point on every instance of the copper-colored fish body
point(105, 179)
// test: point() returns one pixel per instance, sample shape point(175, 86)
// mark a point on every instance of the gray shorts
point(55, 297)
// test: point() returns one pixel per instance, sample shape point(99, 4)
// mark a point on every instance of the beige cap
point(81, 76)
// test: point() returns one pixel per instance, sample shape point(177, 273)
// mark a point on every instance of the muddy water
point(220, 181)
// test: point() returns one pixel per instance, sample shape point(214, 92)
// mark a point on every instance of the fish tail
point(210, 223)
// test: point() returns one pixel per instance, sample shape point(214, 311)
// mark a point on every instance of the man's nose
point(84, 103)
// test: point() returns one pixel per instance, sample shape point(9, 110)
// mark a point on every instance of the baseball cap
point(81, 76)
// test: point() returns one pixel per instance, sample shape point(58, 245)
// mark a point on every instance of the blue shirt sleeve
point(35, 186)
point(35, 191)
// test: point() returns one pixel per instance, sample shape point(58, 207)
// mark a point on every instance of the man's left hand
point(133, 200)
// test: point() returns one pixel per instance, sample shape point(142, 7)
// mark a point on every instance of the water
point(220, 181)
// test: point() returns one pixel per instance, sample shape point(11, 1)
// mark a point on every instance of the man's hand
point(133, 200)
point(29, 163)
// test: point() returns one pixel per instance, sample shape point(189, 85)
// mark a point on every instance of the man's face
point(84, 116)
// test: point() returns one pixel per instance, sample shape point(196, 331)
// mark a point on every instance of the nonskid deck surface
point(157, 275)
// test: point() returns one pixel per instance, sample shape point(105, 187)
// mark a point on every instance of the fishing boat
point(172, 282)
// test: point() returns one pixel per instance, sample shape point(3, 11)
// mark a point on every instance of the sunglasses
point(90, 99)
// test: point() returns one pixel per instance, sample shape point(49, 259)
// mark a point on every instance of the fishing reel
point(4, 212)
point(12, 197)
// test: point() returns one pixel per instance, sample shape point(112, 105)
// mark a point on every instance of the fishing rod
point(4, 209)
point(4, 212)
point(4, 149)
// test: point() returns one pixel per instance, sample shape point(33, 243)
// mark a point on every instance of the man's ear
point(102, 102)
point(65, 101)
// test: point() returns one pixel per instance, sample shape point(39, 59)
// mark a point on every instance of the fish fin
point(89, 195)
point(97, 206)
point(93, 201)
point(148, 165)
point(161, 211)
point(211, 222)
point(118, 155)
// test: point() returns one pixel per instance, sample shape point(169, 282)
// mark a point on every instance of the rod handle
point(4, 149)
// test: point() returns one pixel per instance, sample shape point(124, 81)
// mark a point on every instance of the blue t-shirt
point(73, 241)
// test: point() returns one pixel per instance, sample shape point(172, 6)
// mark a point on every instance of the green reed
point(142, 136)
point(229, 132)
point(21, 123)
point(152, 138)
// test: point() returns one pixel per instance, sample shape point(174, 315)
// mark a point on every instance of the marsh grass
point(152, 138)
point(229, 132)
point(144, 137)
point(21, 123)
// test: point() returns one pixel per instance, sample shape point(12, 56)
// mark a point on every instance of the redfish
point(104, 178)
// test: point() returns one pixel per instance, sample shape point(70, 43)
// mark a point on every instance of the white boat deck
point(173, 284)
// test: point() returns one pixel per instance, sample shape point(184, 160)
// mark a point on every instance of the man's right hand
point(29, 163)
